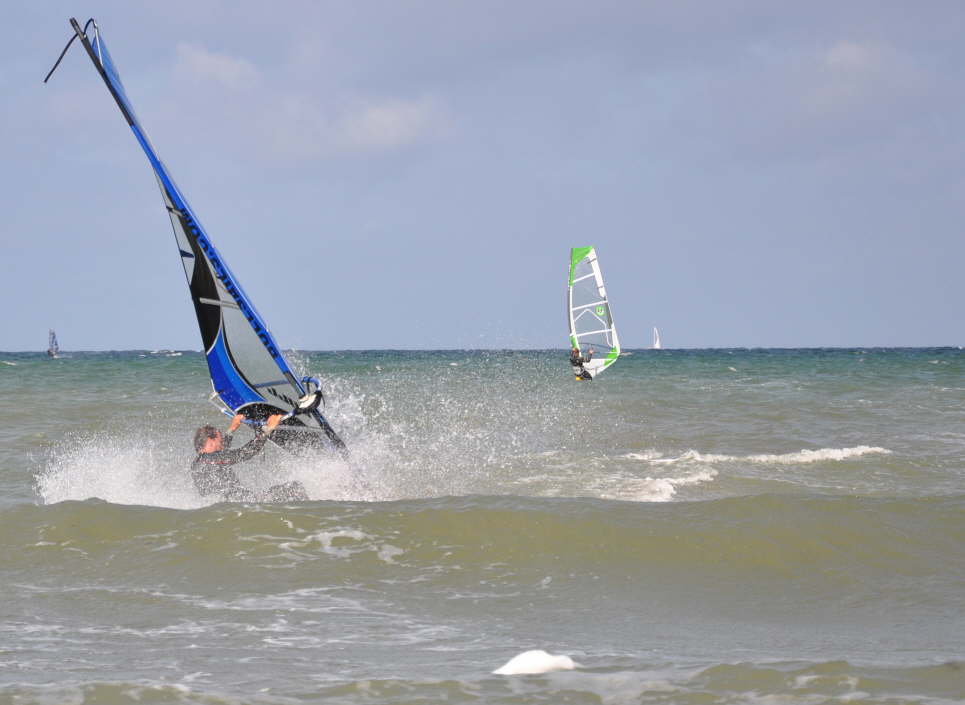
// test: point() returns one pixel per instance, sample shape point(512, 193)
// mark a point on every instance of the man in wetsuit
point(577, 360)
point(211, 470)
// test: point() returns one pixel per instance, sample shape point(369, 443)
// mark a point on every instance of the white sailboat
point(656, 339)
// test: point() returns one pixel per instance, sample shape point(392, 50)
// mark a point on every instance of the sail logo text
point(229, 285)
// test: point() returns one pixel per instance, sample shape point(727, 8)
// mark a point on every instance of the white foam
point(352, 541)
point(646, 455)
point(658, 489)
point(810, 456)
point(116, 470)
point(7, 362)
point(798, 457)
point(536, 661)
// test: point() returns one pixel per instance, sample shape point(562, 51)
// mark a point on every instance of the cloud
point(199, 65)
point(303, 127)
point(388, 124)
point(301, 121)
point(852, 57)
point(852, 75)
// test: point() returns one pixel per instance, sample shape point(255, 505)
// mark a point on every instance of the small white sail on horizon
point(656, 339)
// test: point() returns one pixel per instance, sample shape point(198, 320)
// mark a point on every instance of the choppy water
point(721, 526)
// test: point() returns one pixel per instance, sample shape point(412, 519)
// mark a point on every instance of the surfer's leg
point(239, 494)
point(293, 491)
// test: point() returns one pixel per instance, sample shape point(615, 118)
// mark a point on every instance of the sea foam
point(795, 458)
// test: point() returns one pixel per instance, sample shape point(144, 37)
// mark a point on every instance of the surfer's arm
point(232, 427)
point(254, 446)
point(235, 423)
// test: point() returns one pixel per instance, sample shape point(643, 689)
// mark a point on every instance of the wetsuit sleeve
point(235, 455)
point(246, 452)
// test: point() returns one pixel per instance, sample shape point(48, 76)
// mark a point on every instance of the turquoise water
point(706, 526)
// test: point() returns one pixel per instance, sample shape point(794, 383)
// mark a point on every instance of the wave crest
point(802, 456)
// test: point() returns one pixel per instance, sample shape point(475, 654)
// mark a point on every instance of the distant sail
point(52, 347)
point(656, 339)
point(588, 312)
point(249, 373)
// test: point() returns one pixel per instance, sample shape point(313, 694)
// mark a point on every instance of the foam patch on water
point(801, 456)
point(345, 543)
point(796, 458)
point(646, 455)
point(657, 489)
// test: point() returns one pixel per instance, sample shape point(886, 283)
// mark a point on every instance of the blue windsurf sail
point(249, 373)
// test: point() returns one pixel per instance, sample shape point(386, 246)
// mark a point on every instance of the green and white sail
point(588, 311)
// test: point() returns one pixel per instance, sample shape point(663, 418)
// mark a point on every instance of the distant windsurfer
point(211, 468)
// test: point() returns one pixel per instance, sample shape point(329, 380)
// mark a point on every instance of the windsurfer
point(211, 472)
point(577, 360)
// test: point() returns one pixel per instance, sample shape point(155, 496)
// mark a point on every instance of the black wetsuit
point(212, 475)
point(577, 361)
point(211, 472)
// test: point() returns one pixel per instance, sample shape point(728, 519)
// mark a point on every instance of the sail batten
point(244, 359)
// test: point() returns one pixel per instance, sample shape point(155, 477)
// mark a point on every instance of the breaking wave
point(801, 456)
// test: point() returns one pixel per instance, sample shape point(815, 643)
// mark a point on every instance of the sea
point(760, 526)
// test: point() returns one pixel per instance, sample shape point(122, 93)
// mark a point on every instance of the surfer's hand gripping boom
point(236, 422)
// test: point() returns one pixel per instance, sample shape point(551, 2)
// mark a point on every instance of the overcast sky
point(413, 174)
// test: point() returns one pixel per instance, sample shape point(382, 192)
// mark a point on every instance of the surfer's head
point(202, 437)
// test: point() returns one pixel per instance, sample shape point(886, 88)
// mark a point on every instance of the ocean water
point(695, 526)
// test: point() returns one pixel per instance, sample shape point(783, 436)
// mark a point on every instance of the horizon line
point(511, 349)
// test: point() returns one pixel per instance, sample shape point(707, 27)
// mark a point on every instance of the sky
point(413, 174)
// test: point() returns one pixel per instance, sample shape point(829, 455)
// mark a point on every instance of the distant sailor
point(211, 472)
